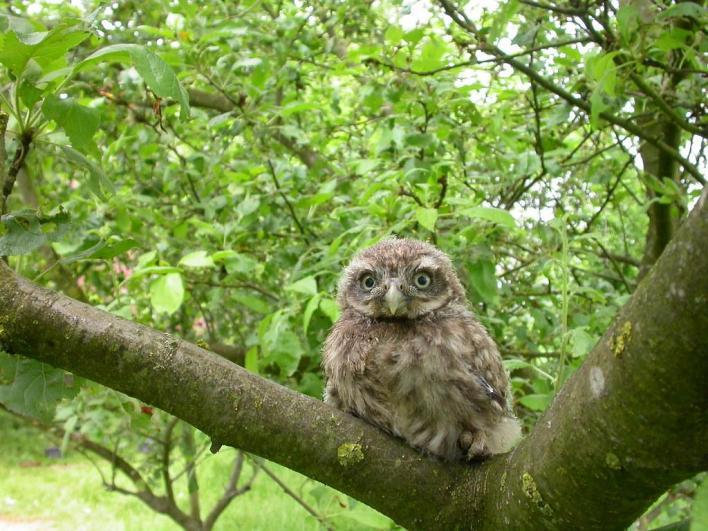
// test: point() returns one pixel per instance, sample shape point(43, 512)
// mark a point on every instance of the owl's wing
point(484, 363)
point(491, 392)
point(345, 348)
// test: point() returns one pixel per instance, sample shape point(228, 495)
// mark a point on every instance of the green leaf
point(154, 270)
point(627, 21)
point(431, 55)
point(598, 104)
point(312, 305)
point(26, 231)
point(31, 388)
point(248, 206)
point(79, 122)
point(364, 518)
point(197, 259)
point(251, 360)
point(99, 183)
point(393, 35)
point(241, 264)
point(603, 70)
point(365, 166)
point(536, 402)
point(92, 249)
point(413, 36)
point(297, 107)
point(69, 427)
point(683, 9)
point(279, 344)
point(699, 510)
point(46, 49)
point(484, 281)
point(29, 94)
point(23, 235)
point(287, 352)
point(311, 384)
point(307, 285)
point(672, 39)
point(427, 217)
point(115, 248)
point(330, 308)
point(157, 74)
point(167, 293)
point(495, 215)
point(582, 342)
point(501, 19)
point(252, 302)
point(160, 77)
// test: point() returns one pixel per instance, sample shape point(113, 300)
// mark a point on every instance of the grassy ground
point(39, 492)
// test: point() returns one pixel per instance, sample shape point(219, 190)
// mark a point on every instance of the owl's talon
point(474, 445)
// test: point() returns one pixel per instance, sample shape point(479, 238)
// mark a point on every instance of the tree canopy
point(207, 169)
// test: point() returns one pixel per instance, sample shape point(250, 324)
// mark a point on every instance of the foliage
point(316, 129)
point(66, 492)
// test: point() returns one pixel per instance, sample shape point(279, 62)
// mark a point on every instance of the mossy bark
point(629, 423)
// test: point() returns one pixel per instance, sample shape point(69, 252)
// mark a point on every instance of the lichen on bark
point(350, 454)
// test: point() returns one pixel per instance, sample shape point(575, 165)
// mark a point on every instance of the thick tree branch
point(633, 418)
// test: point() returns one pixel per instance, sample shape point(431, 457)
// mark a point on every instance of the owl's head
point(399, 278)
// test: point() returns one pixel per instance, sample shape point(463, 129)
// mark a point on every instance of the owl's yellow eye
point(422, 280)
point(368, 281)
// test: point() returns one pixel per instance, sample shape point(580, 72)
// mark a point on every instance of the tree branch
point(160, 504)
point(285, 199)
point(570, 11)
point(287, 490)
point(632, 418)
point(219, 102)
point(670, 113)
point(166, 451)
point(546, 83)
point(7, 179)
point(230, 492)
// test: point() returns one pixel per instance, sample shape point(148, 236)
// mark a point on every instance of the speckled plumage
point(412, 359)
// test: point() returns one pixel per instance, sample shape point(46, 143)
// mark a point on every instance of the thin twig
point(8, 181)
point(287, 202)
point(555, 9)
point(321, 519)
point(236, 285)
point(230, 492)
point(166, 451)
point(608, 197)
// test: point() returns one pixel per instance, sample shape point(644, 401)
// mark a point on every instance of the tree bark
point(629, 423)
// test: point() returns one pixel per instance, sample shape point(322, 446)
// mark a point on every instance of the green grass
point(67, 494)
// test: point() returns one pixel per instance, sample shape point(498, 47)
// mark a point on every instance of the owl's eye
point(368, 281)
point(422, 280)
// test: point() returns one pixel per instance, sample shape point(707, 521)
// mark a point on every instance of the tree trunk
point(629, 423)
point(663, 217)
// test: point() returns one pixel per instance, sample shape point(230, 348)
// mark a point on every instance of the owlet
point(408, 356)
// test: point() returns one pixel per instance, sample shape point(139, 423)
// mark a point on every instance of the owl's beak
point(394, 299)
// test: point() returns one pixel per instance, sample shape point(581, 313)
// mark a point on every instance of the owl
point(408, 356)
